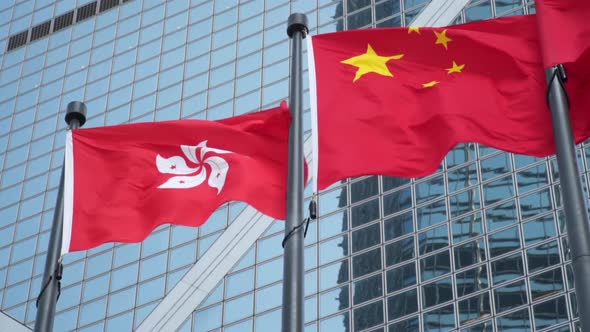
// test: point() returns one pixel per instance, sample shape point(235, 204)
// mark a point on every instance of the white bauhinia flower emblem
point(185, 175)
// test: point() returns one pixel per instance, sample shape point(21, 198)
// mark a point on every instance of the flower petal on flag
point(205, 149)
point(190, 152)
point(219, 168)
point(183, 182)
point(173, 165)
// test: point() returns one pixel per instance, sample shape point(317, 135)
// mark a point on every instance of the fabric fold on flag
point(123, 181)
point(563, 29)
point(394, 101)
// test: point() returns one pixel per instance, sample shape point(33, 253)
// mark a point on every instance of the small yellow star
point(441, 38)
point(414, 29)
point(430, 84)
point(371, 62)
point(455, 69)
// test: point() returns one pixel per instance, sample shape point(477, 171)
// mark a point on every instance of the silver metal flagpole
point(293, 269)
point(46, 302)
point(574, 206)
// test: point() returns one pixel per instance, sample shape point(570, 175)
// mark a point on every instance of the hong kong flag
point(123, 181)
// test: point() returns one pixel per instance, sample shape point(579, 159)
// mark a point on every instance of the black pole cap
point(297, 22)
point(76, 110)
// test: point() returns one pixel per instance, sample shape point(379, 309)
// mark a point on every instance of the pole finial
point(297, 22)
point(76, 110)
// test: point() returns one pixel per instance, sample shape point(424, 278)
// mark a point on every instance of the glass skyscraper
point(480, 245)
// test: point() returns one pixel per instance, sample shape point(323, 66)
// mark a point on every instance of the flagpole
point(576, 214)
point(293, 269)
point(46, 302)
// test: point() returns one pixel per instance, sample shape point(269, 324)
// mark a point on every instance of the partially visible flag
point(564, 30)
point(123, 181)
point(394, 101)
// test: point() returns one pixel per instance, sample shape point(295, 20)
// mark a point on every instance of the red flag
point(124, 181)
point(564, 29)
point(410, 95)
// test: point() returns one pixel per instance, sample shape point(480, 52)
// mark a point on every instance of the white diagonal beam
point(8, 323)
point(439, 13)
point(209, 270)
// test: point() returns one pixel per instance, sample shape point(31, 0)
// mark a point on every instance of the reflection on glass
point(474, 308)
point(401, 277)
point(334, 301)
point(433, 239)
point(363, 189)
point(366, 263)
point(368, 315)
point(399, 251)
point(435, 265)
point(432, 214)
point(510, 296)
point(546, 284)
point(398, 225)
point(532, 178)
point(507, 268)
point(367, 289)
point(465, 202)
point(402, 304)
point(437, 292)
point(504, 241)
point(442, 319)
point(542, 256)
point(515, 321)
point(472, 280)
point(397, 201)
point(408, 325)
point(470, 253)
point(539, 229)
point(550, 312)
point(429, 189)
point(535, 203)
point(501, 215)
point(498, 190)
point(366, 237)
point(478, 12)
point(364, 213)
point(467, 227)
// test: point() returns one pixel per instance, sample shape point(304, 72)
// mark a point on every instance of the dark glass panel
point(435, 265)
point(551, 312)
point(470, 253)
point(399, 251)
point(510, 296)
point(402, 304)
point(507, 268)
point(401, 277)
point(474, 308)
point(368, 316)
point(437, 292)
point(367, 289)
point(398, 226)
point(366, 263)
point(366, 237)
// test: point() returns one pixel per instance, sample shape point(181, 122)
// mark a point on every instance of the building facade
point(480, 245)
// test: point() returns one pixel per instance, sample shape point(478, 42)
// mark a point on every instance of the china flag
point(394, 101)
point(123, 181)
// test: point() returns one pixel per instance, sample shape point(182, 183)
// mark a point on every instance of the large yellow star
point(430, 84)
point(441, 38)
point(371, 62)
point(414, 29)
point(455, 69)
